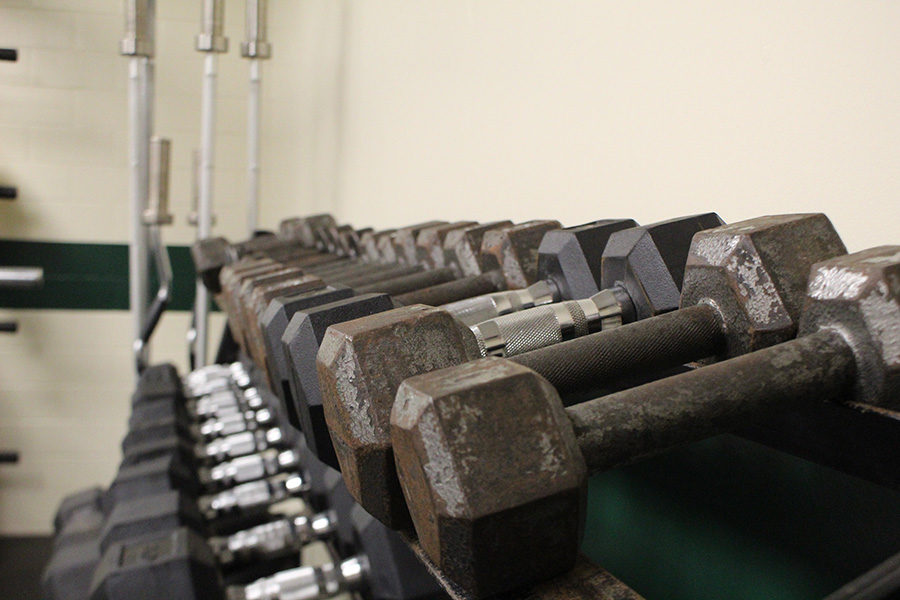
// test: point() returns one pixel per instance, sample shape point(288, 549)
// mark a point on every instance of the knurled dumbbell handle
point(453, 291)
point(642, 421)
point(547, 325)
point(473, 310)
point(654, 344)
point(409, 283)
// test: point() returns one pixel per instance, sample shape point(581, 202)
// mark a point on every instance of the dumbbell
point(259, 284)
point(518, 460)
point(89, 498)
point(294, 369)
point(77, 523)
point(638, 274)
point(362, 362)
point(68, 573)
point(179, 563)
point(171, 564)
point(211, 254)
point(273, 539)
point(231, 507)
point(387, 277)
point(250, 454)
point(168, 504)
point(80, 525)
point(384, 568)
point(397, 574)
point(567, 268)
point(207, 440)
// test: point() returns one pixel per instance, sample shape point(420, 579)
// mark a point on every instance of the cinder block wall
point(390, 111)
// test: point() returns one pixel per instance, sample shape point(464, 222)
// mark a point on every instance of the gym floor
point(21, 561)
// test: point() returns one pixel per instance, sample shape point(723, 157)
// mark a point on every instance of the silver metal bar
point(253, 135)
point(138, 44)
point(256, 47)
point(21, 277)
point(212, 41)
point(154, 218)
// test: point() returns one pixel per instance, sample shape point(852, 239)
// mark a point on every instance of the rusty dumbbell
point(362, 362)
point(495, 468)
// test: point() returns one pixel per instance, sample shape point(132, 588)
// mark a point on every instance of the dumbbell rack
point(858, 440)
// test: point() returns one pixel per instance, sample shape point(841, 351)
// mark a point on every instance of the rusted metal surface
point(744, 289)
point(859, 295)
point(462, 248)
point(377, 273)
point(369, 244)
point(304, 228)
point(395, 247)
point(408, 283)
point(601, 359)
point(754, 273)
point(492, 475)
point(452, 291)
point(361, 363)
point(514, 250)
point(639, 422)
point(585, 581)
point(430, 243)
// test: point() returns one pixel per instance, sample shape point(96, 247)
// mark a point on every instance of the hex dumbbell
point(536, 454)
point(566, 258)
point(362, 362)
point(384, 568)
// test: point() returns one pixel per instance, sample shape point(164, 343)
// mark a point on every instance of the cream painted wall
point(578, 109)
point(395, 111)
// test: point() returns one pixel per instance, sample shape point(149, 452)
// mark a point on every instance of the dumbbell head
point(514, 250)
point(462, 248)
point(168, 472)
point(140, 434)
point(147, 515)
point(570, 257)
point(391, 247)
point(81, 526)
point(300, 342)
point(305, 229)
point(859, 296)
point(171, 564)
point(370, 244)
point(275, 320)
point(87, 498)
point(754, 273)
point(502, 464)
point(209, 256)
point(429, 243)
point(342, 503)
point(260, 295)
point(394, 571)
point(158, 381)
point(70, 569)
point(360, 364)
point(648, 262)
point(158, 446)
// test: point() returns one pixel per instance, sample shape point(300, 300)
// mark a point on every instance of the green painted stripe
point(87, 276)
